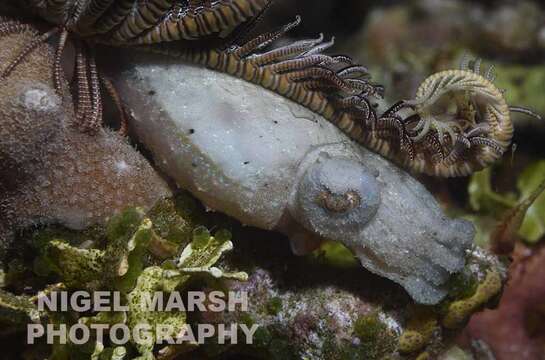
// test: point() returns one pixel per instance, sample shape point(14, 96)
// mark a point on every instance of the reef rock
point(273, 164)
point(49, 170)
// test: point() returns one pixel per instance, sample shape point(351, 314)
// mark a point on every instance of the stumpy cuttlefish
point(275, 165)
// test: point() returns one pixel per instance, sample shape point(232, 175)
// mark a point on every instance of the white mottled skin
point(246, 151)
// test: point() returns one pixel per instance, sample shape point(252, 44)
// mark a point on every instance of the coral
point(460, 311)
point(49, 170)
point(419, 330)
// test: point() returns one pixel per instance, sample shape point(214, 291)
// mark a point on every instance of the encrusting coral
point(460, 311)
point(419, 331)
point(49, 170)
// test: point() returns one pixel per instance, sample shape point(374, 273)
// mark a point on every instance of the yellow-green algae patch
point(125, 263)
point(419, 330)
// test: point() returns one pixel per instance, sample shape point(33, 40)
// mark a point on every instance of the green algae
point(170, 224)
point(122, 263)
point(525, 218)
point(533, 225)
point(77, 267)
point(484, 199)
point(369, 328)
point(376, 338)
point(102, 353)
point(274, 306)
point(462, 285)
point(335, 254)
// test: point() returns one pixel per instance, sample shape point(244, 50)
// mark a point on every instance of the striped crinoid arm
point(155, 21)
point(143, 16)
point(116, 12)
point(421, 134)
point(299, 71)
point(89, 100)
point(88, 15)
point(8, 27)
point(471, 135)
point(56, 11)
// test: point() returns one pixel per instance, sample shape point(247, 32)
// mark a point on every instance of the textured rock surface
point(245, 151)
point(49, 171)
point(321, 321)
point(310, 310)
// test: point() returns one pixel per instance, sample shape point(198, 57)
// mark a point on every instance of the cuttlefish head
point(389, 220)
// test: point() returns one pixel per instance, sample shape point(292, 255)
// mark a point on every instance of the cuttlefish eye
point(339, 202)
point(336, 195)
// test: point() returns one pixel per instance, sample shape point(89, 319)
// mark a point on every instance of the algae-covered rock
point(309, 310)
point(460, 311)
point(302, 308)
